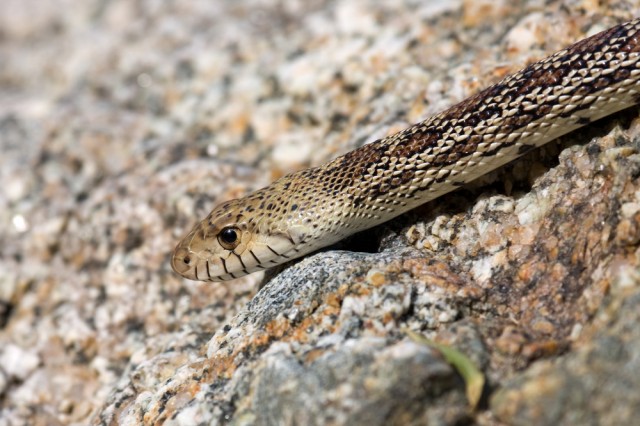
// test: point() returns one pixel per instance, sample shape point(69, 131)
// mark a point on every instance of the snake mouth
point(189, 265)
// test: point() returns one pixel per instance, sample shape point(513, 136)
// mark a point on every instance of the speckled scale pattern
point(312, 208)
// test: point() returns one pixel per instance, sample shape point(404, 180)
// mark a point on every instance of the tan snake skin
point(316, 207)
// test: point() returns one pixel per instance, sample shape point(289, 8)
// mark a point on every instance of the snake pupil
point(228, 235)
point(186, 260)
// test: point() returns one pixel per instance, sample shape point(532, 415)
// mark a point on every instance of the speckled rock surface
point(122, 123)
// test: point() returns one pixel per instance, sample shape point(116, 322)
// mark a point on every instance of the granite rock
point(122, 123)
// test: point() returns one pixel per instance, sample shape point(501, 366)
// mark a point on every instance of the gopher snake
point(316, 207)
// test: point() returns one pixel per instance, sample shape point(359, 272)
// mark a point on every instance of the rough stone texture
point(601, 374)
point(121, 123)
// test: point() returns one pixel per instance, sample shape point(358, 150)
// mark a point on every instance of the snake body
point(316, 207)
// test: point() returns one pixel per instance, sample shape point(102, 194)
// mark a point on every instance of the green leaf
point(473, 378)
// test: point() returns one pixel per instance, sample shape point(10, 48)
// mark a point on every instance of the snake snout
point(183, 261)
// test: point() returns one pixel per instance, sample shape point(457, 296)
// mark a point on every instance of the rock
point(123, 123)
point(18, 363)
point(595, 383)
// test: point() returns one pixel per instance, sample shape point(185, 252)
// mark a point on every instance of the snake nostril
point(183, 260)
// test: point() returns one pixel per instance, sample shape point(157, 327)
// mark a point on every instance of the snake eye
point(228, 238)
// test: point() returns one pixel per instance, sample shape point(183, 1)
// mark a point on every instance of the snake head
point(231, 242)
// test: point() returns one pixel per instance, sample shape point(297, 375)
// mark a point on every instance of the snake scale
point(304, 211)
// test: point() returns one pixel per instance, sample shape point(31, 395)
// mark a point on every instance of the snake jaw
point(202, 255)
point(211, 264)
point(207, 254)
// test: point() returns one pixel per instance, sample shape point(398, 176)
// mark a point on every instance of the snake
point(316, 207)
